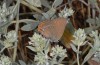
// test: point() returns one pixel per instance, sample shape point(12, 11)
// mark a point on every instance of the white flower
point(3, 13)
point(38, 42)
point(41, 59)
point(96, 38)
point(58, 50)
point(96, 45)
point(7, 43)
point(66, 12)
point(5, 60)
point(80, 37)
point(11, 36)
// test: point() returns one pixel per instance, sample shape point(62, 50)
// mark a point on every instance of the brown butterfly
point(53, 29)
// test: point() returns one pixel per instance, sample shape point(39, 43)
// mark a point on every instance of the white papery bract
point(66, 12)
point(80, 37)
point(38, 42)
point(10, 38)
point(58, 51)
point(5, 60)
point(41, 59)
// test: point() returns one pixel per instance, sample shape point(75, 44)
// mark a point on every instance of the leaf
point(45, 3)
point(88, 30)
point(8, 2)
point(49, 13)
point(91, 21)
point(93, 1)
point(31, 48)
point(57, 3)
point(88, 56)
point(36, 3)
point(22, 62)
point(30, 26)
point(39, 17)
point(14, 63)
point(46, 15)
point(98, 21)
point(73, 47)
point(12, 13)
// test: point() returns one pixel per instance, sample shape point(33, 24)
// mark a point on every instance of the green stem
point(17, 26)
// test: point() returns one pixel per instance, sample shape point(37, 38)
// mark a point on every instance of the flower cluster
point(39, 45)
point(80, 37)
point(38, 42)
point(96, 46)
point(58, 51)
point(96, 38)
point(41, 59)
point(3, 13)
point(5, 60)
point(11, 37)
point(6, 14)
point(66, 12)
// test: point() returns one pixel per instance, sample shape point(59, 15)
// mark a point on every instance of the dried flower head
point(7, 43)
point(66, 12)
point(96, 38)
point(3, 13)
point(5, 60)
point(41, 59)
point(11, 37)
point(80, 37)
point(38, 42)
point(58, 51)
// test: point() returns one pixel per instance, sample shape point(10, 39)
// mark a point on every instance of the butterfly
point(52, 29)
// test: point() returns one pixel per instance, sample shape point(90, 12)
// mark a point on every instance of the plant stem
point(32, 7)
point(61, 59)
point(89, 13)
point(78, 55)
point(54, 60)
point(17, 26)
point(2, 49)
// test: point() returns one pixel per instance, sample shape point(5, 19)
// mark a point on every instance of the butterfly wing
point(43, 28)
point(59, 26)
point(53, 29)
point(50, 32)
